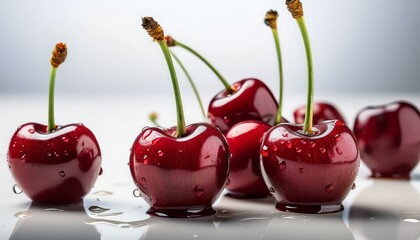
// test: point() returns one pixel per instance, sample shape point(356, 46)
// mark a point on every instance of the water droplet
point(23, 157)
point(281, 141)
point(23, 214)
point(298, 150)
point(337, 136)
point(329, 188)
point(62, 173)
point(264, 151)
point(282, 165)
point(49, 154)
point(339, 123)
point(23, 145)
point(65, 139)
point(322, 150)
point(198, 191)
point(338, 150)
point(14, 144)
point(101, 171)
point(17, 189)
point(160, 153)
point(180, 150)
point(303, 141)
point(143, 179)
point(66, 153)
point(226, 119)
point(353, 186)
point(271, 189)
point(309, 155)
point(285, 134)
point(275, 148)
point(31, 131)
point(228, 182)
point(289, 144)
point(300, 170)
point(56, 154)
point(207, 157)
point(97, 209)
point(136, 193)
point(83, 144)
point(313, 144)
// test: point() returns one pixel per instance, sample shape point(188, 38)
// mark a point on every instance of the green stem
point(191, 83)
point(307, 126)
point(229, 89)
point(278, 49)
point(180, 130)
point(51, 122)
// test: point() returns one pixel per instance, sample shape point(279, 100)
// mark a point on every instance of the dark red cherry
point(180, 176)
point(323, 111)
point(252, 100)
point(389, 138)
point(54, 167)
point(310, 173)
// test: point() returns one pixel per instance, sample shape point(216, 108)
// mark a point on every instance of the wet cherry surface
point(180, 177)
point(251, 101)
point(57, 167)
point(389, 139)
point(311, 174)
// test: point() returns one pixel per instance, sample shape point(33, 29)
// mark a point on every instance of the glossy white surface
point(376, 209)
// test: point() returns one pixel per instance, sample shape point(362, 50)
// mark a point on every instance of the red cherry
point(180, 176)
point(389, 139)
point(252, 100)
point(323, 111)
point(310, 173)
point(54, 167)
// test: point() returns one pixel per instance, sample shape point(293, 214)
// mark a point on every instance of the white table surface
point(376, 209)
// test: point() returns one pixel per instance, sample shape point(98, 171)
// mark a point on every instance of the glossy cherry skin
point(389, 139)
point(56, 167)
point(252, 100)
point(310, 174)
point(245, 177)
point(323, 111)
point(180, 177)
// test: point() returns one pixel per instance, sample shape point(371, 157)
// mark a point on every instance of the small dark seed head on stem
point(295, 8)
point(153, 28)
point(170, 41)
point(58, 55)
point(271, 19)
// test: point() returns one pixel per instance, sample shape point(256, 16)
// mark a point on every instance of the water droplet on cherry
point(198, 191)
point(31, 131)
point(56, 154)
point(298, 150)
point(62, 173)
point(289, 144)
point(49, 154)
point(339, 151)
point(322, 150)
point(285, 134)
point(271, 189)
point(282, 165)
point(23, 214)
point(275, 148)
point(329, 188)
point(23, 157)
point(226, 119)
point(65, 139)
point(281, 141)
point(143, 179)
point(228, 182)
point(160, 153)
point(180, 150)
point(313, 144)
point(303, 141)
point(264, 151)
point(17, 189)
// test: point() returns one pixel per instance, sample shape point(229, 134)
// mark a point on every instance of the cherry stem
point(156, 32)
point(307, 126)
point(153, 118)
point(58, 57)
point(271, 21)
point(191, 83)
point(229, 88)
point(51, 122)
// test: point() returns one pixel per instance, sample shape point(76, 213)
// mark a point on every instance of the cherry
point(389, 139)
point(245, 139)
point(247, 99)
point(180, 171)
point(309, 169)
point(54, 164)
point(322, 111)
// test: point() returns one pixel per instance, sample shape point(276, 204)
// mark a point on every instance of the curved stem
point(229, 89)
point(153, 118)
point(191, 83)
point(51, 122)
point(180, 130)
point(307, 127)
point(278, 50)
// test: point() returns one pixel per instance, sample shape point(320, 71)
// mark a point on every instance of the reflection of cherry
point(54, 164)
point(40, 222)
point(386, 210)
point(389, 139)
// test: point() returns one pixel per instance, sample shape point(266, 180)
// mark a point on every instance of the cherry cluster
point(248, 147)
